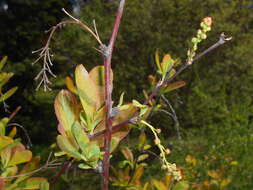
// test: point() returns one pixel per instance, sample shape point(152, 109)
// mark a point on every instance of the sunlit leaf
point(20, 156)
point(66, 109)
point(5, 141)
point(3, 124)
point(214, 174)
point(70, 85)
point(87, 90)
point(173, 86)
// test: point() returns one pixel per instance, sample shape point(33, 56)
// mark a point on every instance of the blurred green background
point(214, 109)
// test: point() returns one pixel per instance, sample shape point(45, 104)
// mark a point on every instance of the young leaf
point(127, 154)
point(66, 109)
point(8, 94)
point(81, 137)
point(159, 185)
point(20, 156)
point(87, 90)
point(173, 86)
point(70, 85)
point(67, 147)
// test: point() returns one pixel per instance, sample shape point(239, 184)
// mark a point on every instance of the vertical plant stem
point(108, 98)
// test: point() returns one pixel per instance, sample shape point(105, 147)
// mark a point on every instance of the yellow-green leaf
point(66, 109)
point(8, 94)
point(142, 157)
point(67, 147)
point(70, 85)
point(88, 91)
point(20, 156)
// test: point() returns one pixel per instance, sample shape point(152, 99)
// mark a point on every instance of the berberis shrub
point(91, 125)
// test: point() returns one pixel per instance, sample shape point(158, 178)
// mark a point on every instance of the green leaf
point(88, 91)
point(138, 104)
point(8, 94)
point(182, 185)
point(67, 147)
point(84, 166)
point(3, 124)
point(81, 137)
point(66, 109)
point(114, 143)
point(4, 78)
point(121, 99)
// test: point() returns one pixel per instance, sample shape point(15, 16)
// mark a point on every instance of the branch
point(63, 169)
point(44, 53)
point(222, 40)
point(108, 98)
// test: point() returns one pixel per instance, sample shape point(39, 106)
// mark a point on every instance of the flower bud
point(167, 151)
point(157, 141)
point(208, 21)
point(158, 131)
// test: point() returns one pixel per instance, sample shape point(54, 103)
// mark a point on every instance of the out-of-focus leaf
point(32, 183)
point(2, 62)
point(173, 86)
point(191, 160)
point(225, 182)
point(137, 174)
point(3, 124)
point(8, 94)
point(214, 174)
point(87, 90)
point(5, 141)
point(70, 85)
point(13, 132)
point(159, 185)
point(168, 179)
point(142, 140)
point(127, 154)
point(4, 78)
point(2, 183)
point(157, 61)
point(146, 147)
point(182, 185)
point(44, 185)
point(20, 156)
point(121, 99)
point(142, 157)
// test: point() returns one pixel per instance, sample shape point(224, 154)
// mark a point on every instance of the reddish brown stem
point(13, 114)
point(108, 98)
point(63, 169)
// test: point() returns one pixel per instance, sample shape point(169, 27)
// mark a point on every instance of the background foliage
point(214, 108)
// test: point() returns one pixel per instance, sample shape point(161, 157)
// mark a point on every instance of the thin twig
point(174, 116)
point(45, 54)
point(222, 40)
point(25, 131)
point(46, 166)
